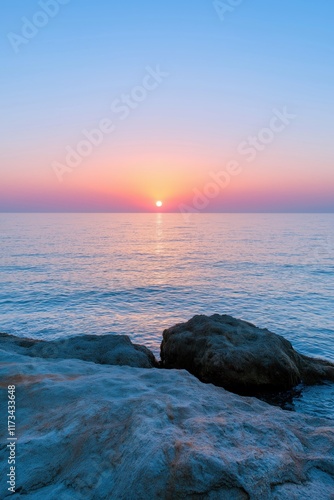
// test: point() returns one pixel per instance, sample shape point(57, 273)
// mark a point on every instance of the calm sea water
point(136, 274)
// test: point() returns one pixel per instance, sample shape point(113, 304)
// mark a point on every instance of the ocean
point(136, 274)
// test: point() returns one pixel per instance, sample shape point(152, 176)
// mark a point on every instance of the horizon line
point(165, 212)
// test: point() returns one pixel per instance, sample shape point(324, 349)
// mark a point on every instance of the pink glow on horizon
point(140, 179)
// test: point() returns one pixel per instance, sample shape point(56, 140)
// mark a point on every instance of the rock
point(238, 356)
point(87, 431)
point(101, 349)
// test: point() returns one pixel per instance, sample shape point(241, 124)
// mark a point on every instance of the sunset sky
point(183, 93)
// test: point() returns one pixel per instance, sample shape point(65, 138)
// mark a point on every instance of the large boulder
point(87, 431)
point(101, 349)
point(239, 356)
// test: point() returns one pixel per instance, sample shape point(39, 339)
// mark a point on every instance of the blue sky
point(225, 79)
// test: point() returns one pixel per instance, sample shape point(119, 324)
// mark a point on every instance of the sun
point(159, 203)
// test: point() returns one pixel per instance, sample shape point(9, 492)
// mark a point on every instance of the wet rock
point(238, 356)
point(101, 349)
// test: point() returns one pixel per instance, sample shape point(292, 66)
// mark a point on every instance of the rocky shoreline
point(97, 417)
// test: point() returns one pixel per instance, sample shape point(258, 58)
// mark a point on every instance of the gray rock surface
point(87, 431)
point(238, 356)
point(101, 349)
